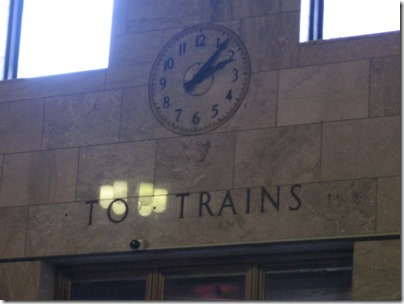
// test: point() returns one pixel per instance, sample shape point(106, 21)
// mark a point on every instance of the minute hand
point(201, 74)
point(217, 67)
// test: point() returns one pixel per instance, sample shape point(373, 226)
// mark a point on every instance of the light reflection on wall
point(150, 200)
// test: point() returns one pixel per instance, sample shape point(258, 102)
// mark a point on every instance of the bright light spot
point(64, 36)
point(344, 18)
point(106, 196)
point(304, 20)
point(119, 208)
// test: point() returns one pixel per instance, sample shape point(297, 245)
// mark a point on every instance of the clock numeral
point(215, 110)
point(163, 83)
point(166, 102)
point(200, 40)
point(196, 119)
point(231, 52)
point(178, 111)
point(235, 74)
point(168, 64)
point(229, 95)
point(182, 48)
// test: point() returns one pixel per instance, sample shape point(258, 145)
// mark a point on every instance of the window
point(328, 19)
point(269, 272)
point(4, 11)
point(49, 37)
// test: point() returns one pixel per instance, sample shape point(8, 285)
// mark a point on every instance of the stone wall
point(312, 153)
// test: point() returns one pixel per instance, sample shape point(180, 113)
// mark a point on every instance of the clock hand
point(200, 75)
point(217, 67)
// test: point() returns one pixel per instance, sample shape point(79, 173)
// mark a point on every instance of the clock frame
point(199, 79)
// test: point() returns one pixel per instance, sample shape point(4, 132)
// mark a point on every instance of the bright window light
point(64, 36)
point(345, 18)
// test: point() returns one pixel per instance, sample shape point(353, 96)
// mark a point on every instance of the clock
point(199, 79)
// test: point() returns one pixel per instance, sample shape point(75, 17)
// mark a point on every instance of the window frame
point(14, 53)
point(316, 24)
point(156, 265)
point(13, 39)
point(316, 20)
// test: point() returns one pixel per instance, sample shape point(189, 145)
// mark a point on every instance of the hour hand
point(207, 66)
point(217, 67)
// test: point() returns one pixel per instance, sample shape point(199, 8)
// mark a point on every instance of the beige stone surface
point(102, 165)
point(131, 59)
point(352, 48)
point(84, 119)
point(278, 156)
point(389, 205)
point(13, 223)
point(233, 25)
point(323, 93)
point(72, 83)
point(290, 5)
point(361, 148)
point(21, 125)
point(209, 218)
point(272, 41)
point(64, 229)
point(20, 281)
point(377, 271)
point(133, 49)
point(195, 163)
point(39, 177)
point(154, 15)
point(345, 208)
point(258, 110)
point(138, 121)
point(339, 208)
point(128, 76)
point(229, 9)
point(385, 85)
point(119, 18)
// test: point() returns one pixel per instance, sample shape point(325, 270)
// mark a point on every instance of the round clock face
point(199, 79)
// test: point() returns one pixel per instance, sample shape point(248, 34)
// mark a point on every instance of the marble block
point(85, 119)
point(103, 165)
point(278, 156)
point(38, 87)
point(272, 41)
point(215, 11)
point(138, 121)
point(350, 48)
point(20, 281)
point(389, 205)
point(21, 125)
point(39, 177)
point(207, 218)
point(13, 223)
point(377, 271)
point(155, 15)
point(131, 58)
point(258, 110)
point(202, 162)
point(361, 148)
point(323, 93)
point(385, 86)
